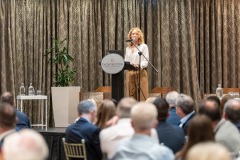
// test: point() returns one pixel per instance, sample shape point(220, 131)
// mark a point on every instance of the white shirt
point(184, 119)
point(6, 133)
point(112, 136)
point(133, 58)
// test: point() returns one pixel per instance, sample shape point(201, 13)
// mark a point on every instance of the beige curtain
point(92, 27)
point(217, 37)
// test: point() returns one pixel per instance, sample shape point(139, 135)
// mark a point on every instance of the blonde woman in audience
point(200, 130)
point(105, 112)
point(208, 151)
point(26, 144)
point(151, 99)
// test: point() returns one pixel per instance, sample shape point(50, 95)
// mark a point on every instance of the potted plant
point(64, 96)
point(64, 75)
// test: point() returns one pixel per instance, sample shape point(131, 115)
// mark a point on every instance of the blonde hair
point(151, 99)
point(105, 112)
point(208, 151)
point(143, 115)
point(141, 37)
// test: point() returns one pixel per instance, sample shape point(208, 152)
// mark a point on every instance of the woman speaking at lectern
point(132, 56)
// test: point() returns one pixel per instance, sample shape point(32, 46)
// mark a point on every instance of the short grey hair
point(172, 97)
point(85, 106)
point(232, 110)
point(186, 103)
point(124, 107)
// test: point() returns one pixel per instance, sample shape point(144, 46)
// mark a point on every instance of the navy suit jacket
point(171, 136)
point(173, 118)
point(23, 121)
point(185, 125)
point(83, 129)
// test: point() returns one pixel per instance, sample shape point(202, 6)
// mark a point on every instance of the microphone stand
point(139, 69)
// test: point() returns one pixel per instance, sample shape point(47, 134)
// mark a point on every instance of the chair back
point(226, 90)
point(107, 89)
point(162, 90)
point(75, 150)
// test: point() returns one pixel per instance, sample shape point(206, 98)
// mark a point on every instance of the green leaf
point(65, 75)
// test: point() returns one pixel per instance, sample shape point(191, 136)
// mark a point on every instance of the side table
point(37, 97)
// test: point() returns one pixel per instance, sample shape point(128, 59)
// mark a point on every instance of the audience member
point(26, 144)
point(223, 101)
point(141, 146)
point(168, 134)
point(215, 99)
point(105, 112)
point(112, 136)
point(150, 99)
point(22, 119)
point(84, 129)
point(185, 110)
point(171, 99)
point(225, 132)
point(8, 121)
point(208, 151)
point(199, 130)
point(232, 112)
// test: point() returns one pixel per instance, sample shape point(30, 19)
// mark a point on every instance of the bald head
point(124, 107)
point(7, 97)
point(144, 116)
point(211, 109)
point(232, 110)
point(8, 118)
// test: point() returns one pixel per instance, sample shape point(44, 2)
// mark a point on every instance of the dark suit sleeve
point(96, 142)
point(28, 123)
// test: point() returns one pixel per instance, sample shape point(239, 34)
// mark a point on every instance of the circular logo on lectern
point(112, 63)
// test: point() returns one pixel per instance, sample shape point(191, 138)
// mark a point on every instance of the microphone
point(130, 40)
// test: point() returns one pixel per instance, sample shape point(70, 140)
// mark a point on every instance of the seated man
point(26, 144)
point(232, 112)
point(112, 136)
point(84, 129)
point(22, 119)
point(168, 134)
point(171, 99)
point(185, 110)
point(225, 132)
point(7, 121)
point(141, 146)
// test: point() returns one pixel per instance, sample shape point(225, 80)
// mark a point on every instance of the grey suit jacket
point(228, 135)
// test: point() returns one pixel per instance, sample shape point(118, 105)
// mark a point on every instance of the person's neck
point(144, 132)
point(2, 130)
point(135, 43)
point(86, 116)
point(214, 123)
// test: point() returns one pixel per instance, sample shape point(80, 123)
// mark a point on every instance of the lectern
point(113, 63)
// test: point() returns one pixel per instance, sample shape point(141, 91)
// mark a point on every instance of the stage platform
point(53, 137)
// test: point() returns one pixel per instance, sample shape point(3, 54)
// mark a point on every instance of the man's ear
point(132, 123)
point(16, 119)
point(155, 123)
point(225, 116)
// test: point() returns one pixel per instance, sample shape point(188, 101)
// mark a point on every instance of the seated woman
point(105, 112)
point(199, 130)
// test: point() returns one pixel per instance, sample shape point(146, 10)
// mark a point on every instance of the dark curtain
point(193, 44)
point(217, 41)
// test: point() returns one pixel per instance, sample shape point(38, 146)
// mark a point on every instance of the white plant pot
point(65, 101)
